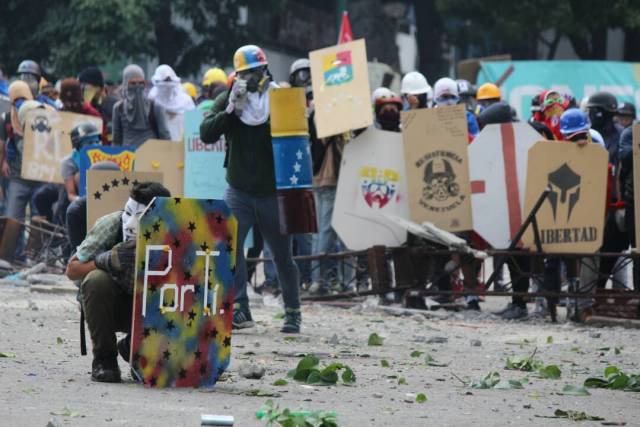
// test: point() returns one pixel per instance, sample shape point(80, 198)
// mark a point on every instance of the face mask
point(597, 118)
point(389, 120)
point(89, 93)
point(254, 79)
point(448, 100)
point(130, 216)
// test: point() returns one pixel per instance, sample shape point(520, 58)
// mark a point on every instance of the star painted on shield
point(176, 200)
point(226, 305)
point(153, 381)
point(187, 276)
point(197, 354)
point(114, 183)
point(204, 246)
point(299, 155)
point(97, 195)
point(229, 248)
point(176, 243)
point(218, 219)
point(166, 354)
point(294, 180)
point(227, 341)
point(213, 333)
point(146, 332)
point(170, 324)
point(296, 167)
point(182, 374)
point(196, 289)
point(192, 314)
point(135, 182)
point(147, 235)
point(105, 188)
point(192, 226)
point(156, 226)
point(203, 368)
point(125, 181)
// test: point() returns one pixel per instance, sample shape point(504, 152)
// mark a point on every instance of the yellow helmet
point(488, 91)
point(190, 89)
point(214, 75)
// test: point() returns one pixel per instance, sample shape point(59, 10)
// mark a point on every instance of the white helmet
point(445, 86)
point(299, 64)
point(381, 92)
point(414, 83)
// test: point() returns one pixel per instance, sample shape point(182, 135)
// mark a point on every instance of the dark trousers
point(520, 269)
point(107, 310)
point(613, 240)
point(77, 222)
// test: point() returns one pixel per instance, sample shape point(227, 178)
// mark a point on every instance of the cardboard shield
point(435, 148)
point(341, 93)
point(288, 112)
point(204, 172)
point(636, 179)
point(572, 217)
point(183, 297)
point(108, 191)
point(498, 171)
point(159, 155)
point(91, 154)
point(372, 182)
point(47, 141)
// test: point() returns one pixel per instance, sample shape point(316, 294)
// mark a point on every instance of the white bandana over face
point(130, 216)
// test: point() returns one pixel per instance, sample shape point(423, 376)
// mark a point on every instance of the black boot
point(124, 347)
point(105, 370)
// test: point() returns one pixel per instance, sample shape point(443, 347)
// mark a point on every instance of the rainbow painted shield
point(183, 297)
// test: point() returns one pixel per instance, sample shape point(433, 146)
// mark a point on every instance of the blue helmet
point(574, 121)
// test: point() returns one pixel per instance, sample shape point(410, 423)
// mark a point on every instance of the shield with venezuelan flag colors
point(183, 296)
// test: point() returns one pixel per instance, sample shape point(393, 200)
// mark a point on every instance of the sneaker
point(292, 321)
point(124, 347)
point(504, 310)
point(242, 317)
point(317, 288)
point(105, 370)
point(515, 312)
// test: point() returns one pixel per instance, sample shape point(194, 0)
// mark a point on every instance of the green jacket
point(249, 150)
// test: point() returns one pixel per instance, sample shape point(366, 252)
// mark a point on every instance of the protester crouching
point(105, 263)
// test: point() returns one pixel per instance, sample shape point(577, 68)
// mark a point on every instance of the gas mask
point(597, 117)
point(389, 119)
point(130, 216)
point(256, 79)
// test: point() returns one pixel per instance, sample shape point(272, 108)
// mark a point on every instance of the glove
point(238, 95)
point(119, 263)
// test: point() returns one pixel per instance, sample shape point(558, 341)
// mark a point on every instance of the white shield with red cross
point(498, 171)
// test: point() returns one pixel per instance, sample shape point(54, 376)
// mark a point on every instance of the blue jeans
point(20, 194)
point(327, 240)
point(301, 246)
point(263, 211)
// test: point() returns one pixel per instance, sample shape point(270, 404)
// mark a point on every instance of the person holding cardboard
point(105, 263)
point(242, 115)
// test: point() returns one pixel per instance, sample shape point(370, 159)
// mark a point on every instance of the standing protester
point(627, 185)
point(135, 118)
point(487, 95)
point(468, 93)
point(626, 114)
point(72, 100)
point(29, 72)
point(105, 263)
point(387, 106)
point(214, 83)
point(95, 93)
point(242, 115)
point(20, 190)
point(416, 91)
point(446, 93)
point(168, 94)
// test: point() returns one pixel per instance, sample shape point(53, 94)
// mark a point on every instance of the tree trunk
point(167, 40)
point(631, 45)
point(429, 37)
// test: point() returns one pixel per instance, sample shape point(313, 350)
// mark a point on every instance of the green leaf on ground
point(574, 390)
point(280, 382)
point(550, 339)
point(615, 379)
point(551, 372)
point(430, 361)
point(489, 381)
point(421, 398)
point(375, 339)
point(278, 316)
point(508, 385)
point(402, 381)
point(256, 392)
point(7, 354)
point(417, 353)
point(348, 377)
point(384, 363)
point(310, 371)
point(66, 412)
point(527, 363)
point(274, 416)
point(59, 340)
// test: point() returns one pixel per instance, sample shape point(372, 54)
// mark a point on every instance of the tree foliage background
point(67, 35)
